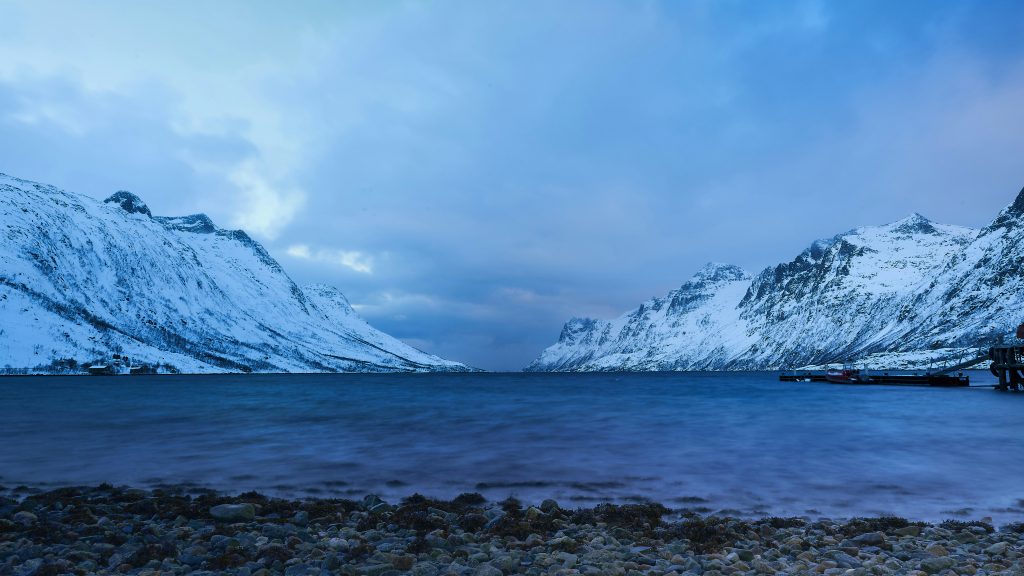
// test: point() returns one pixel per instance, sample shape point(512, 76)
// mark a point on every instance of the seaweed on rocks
point(778, 523)
point(644, 518)
point(154, 551)
point(885, 524)
point(328, 509)
point(473, 522)
point(53, 496)
point(711, 534)
point(520, 524)
point(965, 526)
point(511, 505)
point(421, 514)
point(469, 500)
point(1014, 527)
point(366, 521)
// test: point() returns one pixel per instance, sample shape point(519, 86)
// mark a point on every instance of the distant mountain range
point(82, 280)
point(901, 295)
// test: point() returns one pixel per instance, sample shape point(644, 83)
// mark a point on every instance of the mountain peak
point(131, 203)
point(719, 272)
point(913, 224)
point(914, 218)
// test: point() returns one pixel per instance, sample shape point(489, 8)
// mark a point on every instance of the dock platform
point(869, 378)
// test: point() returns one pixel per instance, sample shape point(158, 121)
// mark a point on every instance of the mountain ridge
point(892, 291)
point(82, 279)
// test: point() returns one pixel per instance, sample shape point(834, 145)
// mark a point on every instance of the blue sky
point(472, 174)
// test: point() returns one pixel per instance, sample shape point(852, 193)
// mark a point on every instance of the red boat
point(846, 376)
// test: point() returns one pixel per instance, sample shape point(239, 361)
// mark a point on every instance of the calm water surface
point(740, 441)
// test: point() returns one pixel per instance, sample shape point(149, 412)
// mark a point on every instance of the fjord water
point(738, 441)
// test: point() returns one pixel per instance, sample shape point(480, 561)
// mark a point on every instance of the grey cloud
point(98, 143)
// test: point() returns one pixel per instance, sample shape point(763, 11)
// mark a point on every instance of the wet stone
point(233, 512)
point(25, 518)
point(997, 549)
point(487, 570)
point(936, 565)
point(870, 539)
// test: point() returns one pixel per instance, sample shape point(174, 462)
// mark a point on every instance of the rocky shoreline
point(116, 530)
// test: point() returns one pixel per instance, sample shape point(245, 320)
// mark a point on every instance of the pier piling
point(1007, 365)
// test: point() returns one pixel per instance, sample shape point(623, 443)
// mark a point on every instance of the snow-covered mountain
point(908, 292)
point(81, 280)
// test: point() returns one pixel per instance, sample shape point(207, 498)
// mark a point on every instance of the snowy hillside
point(81, 280)
point(910, 289)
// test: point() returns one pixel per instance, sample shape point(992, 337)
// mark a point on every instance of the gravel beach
point(108, 530)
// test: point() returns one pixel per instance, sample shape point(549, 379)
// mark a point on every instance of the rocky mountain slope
point(910, 292)
point(81, 280)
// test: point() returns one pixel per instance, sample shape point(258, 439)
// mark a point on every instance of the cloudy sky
point(471, 174)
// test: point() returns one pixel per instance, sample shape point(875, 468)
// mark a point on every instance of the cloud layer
point(472, 174)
